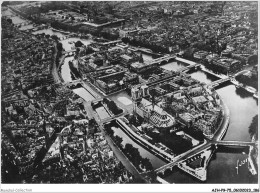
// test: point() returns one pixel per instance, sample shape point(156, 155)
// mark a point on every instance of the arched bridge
point(162, 60)
point(182, 157)
point(111, 43)
point(23, 23)
point(73, 83)
point(185, 61)
point(69, 52)
point(218, 82)
point(64, 37)
point(189, 67)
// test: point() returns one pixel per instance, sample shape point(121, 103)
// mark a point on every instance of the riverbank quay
point(224, 124)
point(61, 62)
point(252, 163)
point(55, 69)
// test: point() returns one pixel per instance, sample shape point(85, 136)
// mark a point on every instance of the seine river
point(243, 108)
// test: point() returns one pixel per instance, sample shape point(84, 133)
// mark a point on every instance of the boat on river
point(56, 30)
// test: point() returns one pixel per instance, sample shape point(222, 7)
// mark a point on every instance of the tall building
point(139, 92)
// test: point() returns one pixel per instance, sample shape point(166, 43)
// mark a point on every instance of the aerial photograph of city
point(129, 92)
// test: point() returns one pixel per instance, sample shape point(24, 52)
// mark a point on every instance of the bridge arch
point(79, 84)
point(171, 60)
point(73, 85)
point(163, 62)
point(172, 168)
point(161, 173)
point(168, 171)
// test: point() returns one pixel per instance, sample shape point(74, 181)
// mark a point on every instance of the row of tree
point(174, 142)
point(132, 153)
point(253, 128)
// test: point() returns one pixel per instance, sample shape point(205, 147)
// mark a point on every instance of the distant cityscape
point(120, 92)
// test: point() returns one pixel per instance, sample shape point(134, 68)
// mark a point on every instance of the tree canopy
point(9, 20)
point(253, 128)
point(78, 44)
point(59, 46)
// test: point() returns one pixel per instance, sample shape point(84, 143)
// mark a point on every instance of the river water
point(173, 66)
point(243, 108)
point(65, 70)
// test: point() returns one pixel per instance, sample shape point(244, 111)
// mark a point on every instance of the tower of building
point(45, 133)
point(141, 60)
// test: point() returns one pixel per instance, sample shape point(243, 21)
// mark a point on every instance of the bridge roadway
point(144, 50)
point(23, 23)
point(69, 53)
point(111, 42)
point(218, 82)
point(234, 143)
point(159, 60)
point(185, 61)
point(188, 67)
point(184, 156)
point(74, 82)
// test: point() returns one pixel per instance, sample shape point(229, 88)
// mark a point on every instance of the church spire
point(141, 60)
